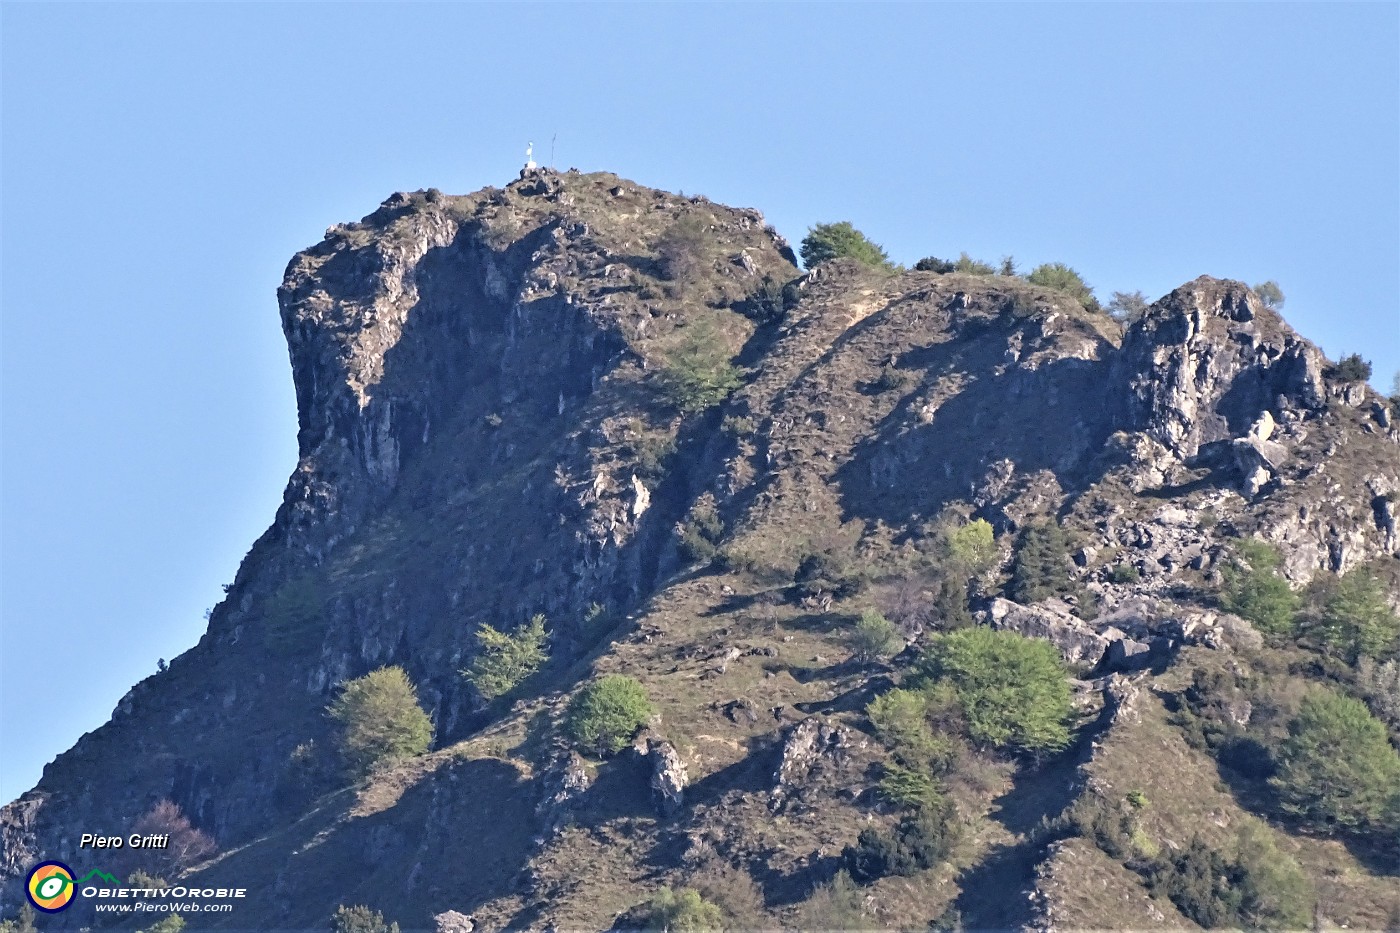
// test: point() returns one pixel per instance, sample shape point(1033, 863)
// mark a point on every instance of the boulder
point(566, 780)
point(450, 921)
point(1076, 640)
point(805, 746)
point(669, 778)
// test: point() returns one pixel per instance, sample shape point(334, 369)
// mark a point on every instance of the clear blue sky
point(162, 163)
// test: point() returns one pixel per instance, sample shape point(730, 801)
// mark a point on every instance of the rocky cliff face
point(482, 438)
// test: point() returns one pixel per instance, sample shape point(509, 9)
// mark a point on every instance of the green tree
point(973, 545)
point(698, 374)
point(1202, 882)
point(703, 529)
point(683, 911)
point(1255, 590)
point(1270, 294)
point(1336, 770)
point(839, 905)
point(505, 659)
point(380, 720)
point(1351, 368)
point(1275, 894)
point(969, 266)
point(360, 919)
point(934, 264)
point(1355, 619)
point(900, 718)
point(605, 715)
point(825, 242)
point(909, 787)
point(919, 841)
point(1041, 566)
point(1061, 277)
point(1012, 689)
point(874, 637)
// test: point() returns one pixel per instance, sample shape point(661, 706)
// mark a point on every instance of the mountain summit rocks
point(488, 430)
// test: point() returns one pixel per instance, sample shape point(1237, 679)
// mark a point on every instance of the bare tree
point(185, 845)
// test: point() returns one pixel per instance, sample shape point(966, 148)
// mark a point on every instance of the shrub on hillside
point(874, 638)
point(1062, 278)
point(1276, 895)
point(771, 301)
point(1041, 565)
point(900, 718)
point(185, 846)
point(699, 535)
point(698, 374)
point(934, 264)
point(969, 266)
point(1255, 886)
point(682, 911)
point(504, 659)
point(893, 379)
point(919, 841)
point(1011, 689)
point(379, 720)
point(839, 905)
point(605, 715)
point(1124, 573)
point(1255, 590)
point(1008, 266)
point(681, 248)
point(825, 242)
point(1127, 306)
point(360, 919)
point(733, 891)
point(909, 788)
point(1351, 368)
point(1351, 617)
point(1270, 294)
point(1337, 770)
point(827, 571)
point(172, 923)
point(1201, 882)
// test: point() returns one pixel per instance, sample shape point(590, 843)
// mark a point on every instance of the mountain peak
point(628, 411)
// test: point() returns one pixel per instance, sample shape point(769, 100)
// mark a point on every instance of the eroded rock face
point(668, 776)
point(807, 745)
point(1208, 362)
point(480, 441)
point(567, 781)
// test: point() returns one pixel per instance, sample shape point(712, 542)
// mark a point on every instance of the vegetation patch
point(380, 721)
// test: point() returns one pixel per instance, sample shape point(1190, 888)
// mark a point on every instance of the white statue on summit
point(529, 156)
